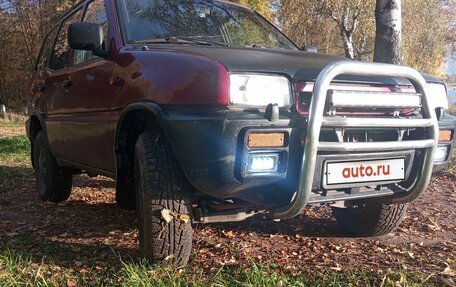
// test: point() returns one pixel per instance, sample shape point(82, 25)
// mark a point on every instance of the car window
point(46, 50)
point(212, 21)
point(95, 13)
point(60, 54)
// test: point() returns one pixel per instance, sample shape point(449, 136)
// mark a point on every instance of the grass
point(15, 164)
point(14, 148)
point(17, 269)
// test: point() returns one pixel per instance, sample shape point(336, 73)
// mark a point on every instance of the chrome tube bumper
point(317, 120)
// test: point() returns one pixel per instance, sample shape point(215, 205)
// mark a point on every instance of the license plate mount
point(356, 173)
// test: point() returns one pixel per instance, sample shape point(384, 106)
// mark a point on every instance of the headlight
point(259, 90)
point(438, 95)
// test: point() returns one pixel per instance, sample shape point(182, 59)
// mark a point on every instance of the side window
point(60, 54)
point(95, 13)
point(46, 49)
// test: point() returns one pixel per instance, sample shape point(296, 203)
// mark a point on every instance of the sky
point(451, 65)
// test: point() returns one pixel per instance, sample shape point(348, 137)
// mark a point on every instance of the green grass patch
point(15, 148)
point(17, 269)
point(15, 164)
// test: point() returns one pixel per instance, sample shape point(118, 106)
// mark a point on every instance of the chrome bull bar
point(316, 120)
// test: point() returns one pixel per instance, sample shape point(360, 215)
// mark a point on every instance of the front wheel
point(163, 203)
point(370, 217)
point(53, 182)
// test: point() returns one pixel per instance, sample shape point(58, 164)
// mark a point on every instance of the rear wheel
point(53, 182)
point(163, 203)
point(370, 217)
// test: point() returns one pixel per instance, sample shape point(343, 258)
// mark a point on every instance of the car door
point(50, 80)
point(88, 99)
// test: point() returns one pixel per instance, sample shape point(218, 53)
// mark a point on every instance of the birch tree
point(388, 39)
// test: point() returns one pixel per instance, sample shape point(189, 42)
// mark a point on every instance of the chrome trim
point(375, 146)
point(343, 196)
point(315, 121)
point(338, 122)
point(359, 99)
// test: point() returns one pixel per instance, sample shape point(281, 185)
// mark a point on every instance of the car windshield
point(197, 22)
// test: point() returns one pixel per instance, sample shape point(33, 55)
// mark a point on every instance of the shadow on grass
point(15, 177)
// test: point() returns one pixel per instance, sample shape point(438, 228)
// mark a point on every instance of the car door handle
point(67, 83)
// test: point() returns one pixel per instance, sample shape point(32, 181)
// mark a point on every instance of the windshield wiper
point(206, 42)
point(168, 40)
point(176, 40)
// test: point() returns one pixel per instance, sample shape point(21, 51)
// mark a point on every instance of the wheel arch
point(135, 119)
point(36, 124)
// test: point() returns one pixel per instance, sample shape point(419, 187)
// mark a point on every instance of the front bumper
point(211, 146)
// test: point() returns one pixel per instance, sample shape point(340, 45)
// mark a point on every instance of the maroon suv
point(202, 111)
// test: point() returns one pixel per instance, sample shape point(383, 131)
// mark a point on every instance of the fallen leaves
point(448, 281)
point(168, 216)
point(434, 226)
point(448, 271)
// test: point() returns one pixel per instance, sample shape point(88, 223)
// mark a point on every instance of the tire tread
point(164, 187)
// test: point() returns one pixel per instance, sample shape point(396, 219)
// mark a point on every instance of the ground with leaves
point(89, 241)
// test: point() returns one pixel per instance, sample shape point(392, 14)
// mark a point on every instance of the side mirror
point(309, 49)
point(85, 36)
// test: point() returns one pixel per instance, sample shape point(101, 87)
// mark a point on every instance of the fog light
point(441, 153)
point(263, 163)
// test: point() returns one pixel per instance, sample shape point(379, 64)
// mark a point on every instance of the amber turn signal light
point(266, 140)
point(445, 135)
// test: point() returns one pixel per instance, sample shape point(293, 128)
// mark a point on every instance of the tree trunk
point(388, 39)
point(348, 44)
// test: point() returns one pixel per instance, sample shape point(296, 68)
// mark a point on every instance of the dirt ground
point(89, 229)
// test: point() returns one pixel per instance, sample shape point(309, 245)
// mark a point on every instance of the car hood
point(298, 65)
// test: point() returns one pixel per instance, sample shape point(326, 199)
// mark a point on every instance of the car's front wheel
point(163, 203)
point(53, 182)
point(370, 217)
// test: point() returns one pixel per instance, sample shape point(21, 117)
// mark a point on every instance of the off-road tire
point(53, 182)
point(370, 218)
point(125, 199)
point(161, 185)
